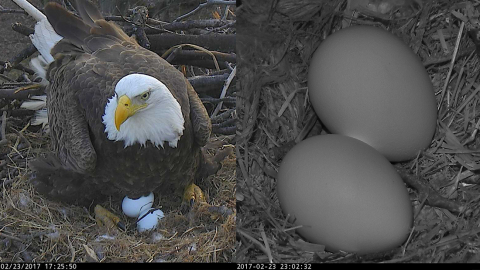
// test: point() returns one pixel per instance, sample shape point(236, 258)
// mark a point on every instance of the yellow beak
point(123, 110)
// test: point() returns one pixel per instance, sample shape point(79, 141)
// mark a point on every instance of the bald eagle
point(123, 121)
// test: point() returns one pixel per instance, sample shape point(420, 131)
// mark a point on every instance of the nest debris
point(276, 40)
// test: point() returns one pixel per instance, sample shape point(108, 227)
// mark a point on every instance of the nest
point(276, 40)
point(34, 229)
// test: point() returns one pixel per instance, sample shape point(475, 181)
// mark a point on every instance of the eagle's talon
point(105, 218)
point(121, 226)
point(193, 196)
point(192, 202)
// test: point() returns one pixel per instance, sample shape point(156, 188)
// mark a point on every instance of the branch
point(212, 42)
point(230, 113)
point(224, 130)
point(22, 29)
point(139, 19)
point(224, 90)
point(23, 92)
point(15, 61)
point(225, 100)
point(203, 84)
point(206, 4)
point(5, 10)
point(227, 123)
point(187, 25)
point(4, 139)
point(201, 59)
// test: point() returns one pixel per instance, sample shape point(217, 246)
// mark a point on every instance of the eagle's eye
point(145, 95)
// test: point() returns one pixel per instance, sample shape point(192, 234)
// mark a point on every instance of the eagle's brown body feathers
point(85, 165)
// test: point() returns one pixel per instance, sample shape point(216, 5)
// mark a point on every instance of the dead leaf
point(91, 256)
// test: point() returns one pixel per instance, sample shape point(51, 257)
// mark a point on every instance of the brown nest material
point(276, 40)
point(33, 229)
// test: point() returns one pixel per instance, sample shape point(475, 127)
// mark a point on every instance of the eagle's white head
point(143, 109)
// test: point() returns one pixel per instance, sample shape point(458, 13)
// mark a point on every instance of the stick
point(452, 63)
point(4, 126)
point(223, 116)
point(203, 84)
point(206, 4)
point(24, 93)
point(433, 198)
point(224, 91)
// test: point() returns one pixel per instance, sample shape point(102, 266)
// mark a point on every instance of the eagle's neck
point(162, 121)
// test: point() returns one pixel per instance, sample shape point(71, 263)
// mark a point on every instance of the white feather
point(161, 121)
point(39, 65)
point(35, 103)
point(40, 118)
point(43, 39)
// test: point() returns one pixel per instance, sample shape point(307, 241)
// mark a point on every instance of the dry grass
point(276, 40)
point(35, 229)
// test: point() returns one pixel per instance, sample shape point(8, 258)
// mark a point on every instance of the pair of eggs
point(373, 93)
point(141, 208)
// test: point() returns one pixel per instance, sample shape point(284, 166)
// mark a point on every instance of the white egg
point(149, 220)
point(133, 208)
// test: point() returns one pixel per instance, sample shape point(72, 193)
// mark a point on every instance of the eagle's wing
point(202, 126)
point(70, 132)
point(68, 126)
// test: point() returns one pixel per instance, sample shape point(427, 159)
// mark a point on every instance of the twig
point(223, 116)
point(122, 19)
point(434, 199)
point(224, 91)
point(212, 42)
point(6, 78)
point(187, 55)
point(22, 29)
point(10, 237)
point(22, 92)
point(441, 60)
point(187, 25)
point(255, 241)
point(206, 4)
point(227, 100)
point(195, 47)
point(452, 63)
point(15, 61)
point(4, 126)
point(4, 11)
point(265, 241)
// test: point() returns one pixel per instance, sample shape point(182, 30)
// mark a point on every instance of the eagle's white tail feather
point(40, 118)
point(35, 103)
point(39, 65)
point(44, 37)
